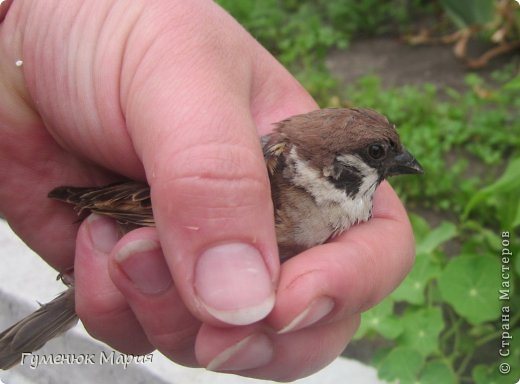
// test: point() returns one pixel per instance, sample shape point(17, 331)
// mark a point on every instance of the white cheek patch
point(312, 180)
point(369, 174)
point(336, 208)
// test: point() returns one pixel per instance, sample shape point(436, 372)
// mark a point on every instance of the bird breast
point(316, 209)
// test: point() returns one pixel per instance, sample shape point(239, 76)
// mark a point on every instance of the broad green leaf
point(403, 364)
point(420, 226)
point(436, 373)
point(470, 283)
point(517, 264)
point(439, 235)
point(467, 13)
point(490, 374)
point(466, 344)
point(515, 351)
point(381, 320)
point(422, 329)
point(380, 355)
point(478, 331)
point(412, 288)
point(492, 238)
point(507, 209)
point(509, 182)
point(516, 221)
point(510, 247)
point(487, 374)
point(513, 84)
point(484, 235)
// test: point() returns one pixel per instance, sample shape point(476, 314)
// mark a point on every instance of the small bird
point(323, 166)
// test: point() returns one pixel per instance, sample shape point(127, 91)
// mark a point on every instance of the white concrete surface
point(25, 280)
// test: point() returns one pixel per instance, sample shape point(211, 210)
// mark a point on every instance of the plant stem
point(486, 339)
point(495, 335)
point(456, 339)
point(464, 363)
point(453, 328)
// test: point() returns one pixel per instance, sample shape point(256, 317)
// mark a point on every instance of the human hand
point(176, 94)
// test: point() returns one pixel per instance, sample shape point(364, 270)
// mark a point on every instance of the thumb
point(214, 214)
point(209, 186)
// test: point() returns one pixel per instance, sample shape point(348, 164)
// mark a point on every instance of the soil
point(398, 63)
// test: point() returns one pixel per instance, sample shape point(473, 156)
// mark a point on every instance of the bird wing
point(273, 150)
point(128, 202)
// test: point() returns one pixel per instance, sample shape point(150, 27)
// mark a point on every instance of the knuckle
point(173, 342)
point(221, 177)
point(97, 309)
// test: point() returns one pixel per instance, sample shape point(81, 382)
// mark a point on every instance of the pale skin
point(177, 93)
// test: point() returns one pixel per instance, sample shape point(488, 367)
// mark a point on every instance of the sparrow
point(323, 167)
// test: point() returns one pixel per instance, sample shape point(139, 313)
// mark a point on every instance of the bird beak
point(404, 163)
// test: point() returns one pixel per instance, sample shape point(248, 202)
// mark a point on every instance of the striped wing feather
point(128, 202)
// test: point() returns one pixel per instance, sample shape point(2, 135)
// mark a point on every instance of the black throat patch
point(347, 178)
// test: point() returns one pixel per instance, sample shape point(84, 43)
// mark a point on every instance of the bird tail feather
point(32, 332)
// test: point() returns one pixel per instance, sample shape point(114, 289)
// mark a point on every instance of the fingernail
point(254, 351)
point(103, 231)
point(316, 311)
point(143, 263)
point(233, 284)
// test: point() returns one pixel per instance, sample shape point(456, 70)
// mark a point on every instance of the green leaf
point(509, 182)
point(380, 355)
point(513, 84)
point(485, 374)
point(517, 264)
point(422, 329)
point(509, 248)
point(437, 372)
point(420, 226)
point(439, 235)
point(481, 330)
point(466, 345)
point(381, 320)
point(412, 288)
point(467, 13)
point(470, 283)
point(403, 364)
point(515, 351)
point(507, 208)
point(516, 221)
point(490, 374)
point(487, 236)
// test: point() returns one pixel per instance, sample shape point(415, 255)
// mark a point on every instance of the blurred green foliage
point(302, 30)
point(469, 12)
point(460, 138)
point(447, 311)
point(300, 33)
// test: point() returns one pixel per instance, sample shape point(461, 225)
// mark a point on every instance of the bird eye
point(376, 151)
